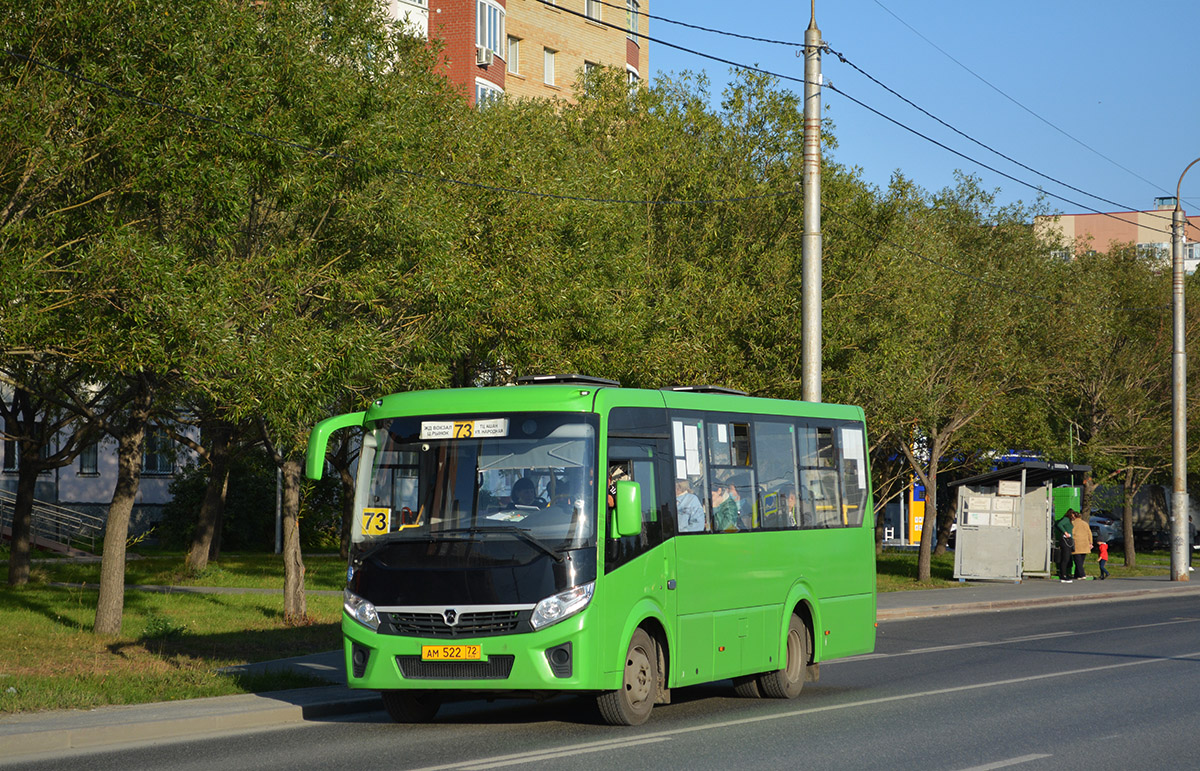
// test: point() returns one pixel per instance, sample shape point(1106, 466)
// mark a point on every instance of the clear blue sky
point(1122, 79)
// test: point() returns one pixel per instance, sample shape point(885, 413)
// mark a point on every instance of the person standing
point(1066, 544)
point(1083, 543)
point(1103, 547)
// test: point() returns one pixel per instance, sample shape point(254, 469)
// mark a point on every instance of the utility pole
point(1179, 497)
point(810, 245)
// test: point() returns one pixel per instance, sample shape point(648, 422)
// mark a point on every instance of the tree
point(1116, 373)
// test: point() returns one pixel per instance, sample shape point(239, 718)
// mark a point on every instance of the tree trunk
point(928, 526)
point(1128, 491)
point(22, 524)
point(214, 501)
point(295, 609)
point(130, 440)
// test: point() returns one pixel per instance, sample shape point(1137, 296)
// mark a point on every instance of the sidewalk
point(25, 736)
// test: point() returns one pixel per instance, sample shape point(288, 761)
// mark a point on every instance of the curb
point(124, 725)
point(946, 609)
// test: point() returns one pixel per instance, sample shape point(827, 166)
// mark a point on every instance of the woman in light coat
point(1083, 542)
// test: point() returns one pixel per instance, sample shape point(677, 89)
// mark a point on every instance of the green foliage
point(249, 521)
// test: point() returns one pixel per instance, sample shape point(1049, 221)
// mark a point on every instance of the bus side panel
point(625, 598)
point(842, 576)
point(730, 592)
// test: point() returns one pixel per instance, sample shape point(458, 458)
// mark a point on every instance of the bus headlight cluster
point(563, 605)
point(360, 610)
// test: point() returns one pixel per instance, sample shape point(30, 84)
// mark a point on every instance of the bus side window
point(775, 451)
point(819, 498)
point(854, 472)
point(689, 462)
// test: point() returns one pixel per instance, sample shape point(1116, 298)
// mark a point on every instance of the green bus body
point(715, 605)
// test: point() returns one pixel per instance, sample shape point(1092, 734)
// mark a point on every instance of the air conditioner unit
point(483, 56)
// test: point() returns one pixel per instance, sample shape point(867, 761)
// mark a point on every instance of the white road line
point(662, 735)
point(563, 753)
point(1006, 641)
point(1007, 763)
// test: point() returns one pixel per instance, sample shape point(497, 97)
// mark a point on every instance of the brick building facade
point(530, 48)
point(1149, 230)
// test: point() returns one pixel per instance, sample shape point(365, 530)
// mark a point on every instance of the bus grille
point(469, 625)
point(495, 668)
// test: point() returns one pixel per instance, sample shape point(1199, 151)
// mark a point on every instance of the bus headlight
point(360, 610)
point(563, 605)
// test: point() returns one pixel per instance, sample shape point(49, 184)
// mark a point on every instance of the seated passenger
point(688, 509)
point(525, 494)
point(789, 506)
point(725, 508)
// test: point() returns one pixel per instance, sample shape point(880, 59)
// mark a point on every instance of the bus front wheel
point(631, 704)
point(410, 706)
point(786, 683)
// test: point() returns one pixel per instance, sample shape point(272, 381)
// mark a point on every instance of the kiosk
point(1004, 518)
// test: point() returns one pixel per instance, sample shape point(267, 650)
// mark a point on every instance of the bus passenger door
point(640, 569)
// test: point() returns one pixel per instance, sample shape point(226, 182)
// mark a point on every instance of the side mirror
point(629, 509)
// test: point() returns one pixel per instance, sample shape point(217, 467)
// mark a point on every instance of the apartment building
point(530, 48)
point(1149, 230)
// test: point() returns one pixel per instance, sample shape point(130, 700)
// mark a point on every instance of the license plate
point(451, 653)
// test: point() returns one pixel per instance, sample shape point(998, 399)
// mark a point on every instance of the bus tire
point(786, 683)
point(631, 704)
point(410, 706)
point(747, 687)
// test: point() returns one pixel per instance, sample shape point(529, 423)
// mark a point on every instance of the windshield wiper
point(519, 532)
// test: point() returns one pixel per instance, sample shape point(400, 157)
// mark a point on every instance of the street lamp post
point(1179, 495)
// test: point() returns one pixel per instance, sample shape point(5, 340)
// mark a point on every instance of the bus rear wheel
point(410, 706)
point(786, 683)
point(631, 704)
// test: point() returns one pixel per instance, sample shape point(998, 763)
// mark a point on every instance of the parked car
point(1105, 528)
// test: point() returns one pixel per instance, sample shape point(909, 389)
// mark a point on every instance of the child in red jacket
point(1103, 547)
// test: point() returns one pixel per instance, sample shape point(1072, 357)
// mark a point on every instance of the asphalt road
point(1104, 685)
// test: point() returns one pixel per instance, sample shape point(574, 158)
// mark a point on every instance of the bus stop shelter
point(1004, 518)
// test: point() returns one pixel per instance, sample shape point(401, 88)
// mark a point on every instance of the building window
point(631, 19)
point(1155, 252)
point(489, 26)
point(89, 460)
point(591, 9)
point(631, 77)
point(12, 452)
point(548, 73)
point(158, 456)
point(513, 61)
point(486, 93)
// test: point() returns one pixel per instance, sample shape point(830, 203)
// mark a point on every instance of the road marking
point(531, 757)
point(563, 753)
point(1006, 641)
point(1007, 763)
point(663, 735)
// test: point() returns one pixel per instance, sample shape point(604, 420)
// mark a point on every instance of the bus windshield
point(527, 476)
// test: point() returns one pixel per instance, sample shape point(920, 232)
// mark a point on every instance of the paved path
point(26, 736)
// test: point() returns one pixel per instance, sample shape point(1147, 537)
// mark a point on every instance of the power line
point(981, 79)
point(860, 103)
point(794, 44)
point(842, 57)
point(323, 154)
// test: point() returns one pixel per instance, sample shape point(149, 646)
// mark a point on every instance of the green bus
point(569, 535)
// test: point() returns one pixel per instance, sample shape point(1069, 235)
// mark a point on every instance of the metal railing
point(56, 524)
